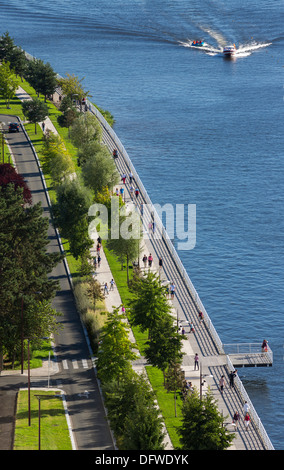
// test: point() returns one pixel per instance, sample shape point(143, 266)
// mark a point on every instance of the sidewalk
point(102, 274)
point(23, 96)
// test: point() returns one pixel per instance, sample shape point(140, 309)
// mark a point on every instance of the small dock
point(248, 355)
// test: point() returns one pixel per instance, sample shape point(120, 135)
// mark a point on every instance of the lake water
point(199, 129)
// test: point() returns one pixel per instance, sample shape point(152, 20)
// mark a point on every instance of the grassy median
point(54, 433)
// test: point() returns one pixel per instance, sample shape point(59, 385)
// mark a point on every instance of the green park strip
point(165, 399)
point(51, 422)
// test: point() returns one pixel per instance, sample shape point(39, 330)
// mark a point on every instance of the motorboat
point(229, 51)
point(198, 43)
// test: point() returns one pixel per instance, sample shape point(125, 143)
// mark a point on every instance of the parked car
point(14, 127)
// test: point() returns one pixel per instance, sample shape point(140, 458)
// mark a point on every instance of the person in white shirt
point(246, 407)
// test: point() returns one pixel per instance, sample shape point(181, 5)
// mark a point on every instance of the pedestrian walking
point(150, 260)
point(117, 192)
point(131, 189)
point(123, 309)
point(222, 383)
point(99, 260)
point(160, 263)
point(191, 328)
point(196, 362)
point(130, 177)
point(95, 261)
point(123, 178)
point(247, 420)
point(121, 191)
point(201, 317)
point(105, 289)
point(136, 192)
point(153, 227)
point(232, 376)
point(144, 259)
point(246, 408)
point(236, 419)
point(172, 290)
point(111, 285)
point(43, 126)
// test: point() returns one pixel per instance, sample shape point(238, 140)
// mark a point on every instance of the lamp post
point(39, 397)
point(22, 335)
point(29, 383)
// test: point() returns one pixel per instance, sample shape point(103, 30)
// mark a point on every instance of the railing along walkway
point(188, 305)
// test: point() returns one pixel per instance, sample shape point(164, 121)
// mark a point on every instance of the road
point(76, 375)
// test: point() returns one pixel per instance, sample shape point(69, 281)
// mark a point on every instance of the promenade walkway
point(213, 363)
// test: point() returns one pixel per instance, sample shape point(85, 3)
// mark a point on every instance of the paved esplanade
point(75, 373)
point(212, 362)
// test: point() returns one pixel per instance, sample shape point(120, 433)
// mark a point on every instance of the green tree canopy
point(41, 77)
point(72, 87)
point(149, 303)
point(35, 110)
point(99, 171)
point(115, 352)
point(8, 82)
point(85, 129)
point(57, 161)
point(71, 213)
point(133, 413)
point(25, 264)
point(164, 346)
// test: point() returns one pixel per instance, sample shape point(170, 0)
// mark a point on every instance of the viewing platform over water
point(216, 359)
point(248, 355)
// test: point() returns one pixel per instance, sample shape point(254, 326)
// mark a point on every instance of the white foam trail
point(243, 50)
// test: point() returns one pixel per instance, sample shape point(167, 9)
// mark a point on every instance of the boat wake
point(242, 50)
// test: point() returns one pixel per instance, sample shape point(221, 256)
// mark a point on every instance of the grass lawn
point(53, 426)
point(166, 403)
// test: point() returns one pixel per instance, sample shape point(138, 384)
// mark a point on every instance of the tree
point(8, 175)
point(143, 428)
point(88, 150)
point(57, 160)
point(164, 346)
point(203, 425)
point(99, 171)
point(71, 213)
point(133, 414)
point(35, 110)
point(69, 112)
point(19, 62)
point(174, 380)
point(25, 265)
point(115, 352)
point(8, 82)
point(149, 303)
point(85, 129)
point(127, 245)
point(72, 87)
point(7, 46)
point(41, 77)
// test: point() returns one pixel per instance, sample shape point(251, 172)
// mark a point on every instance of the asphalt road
point(75, 374)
